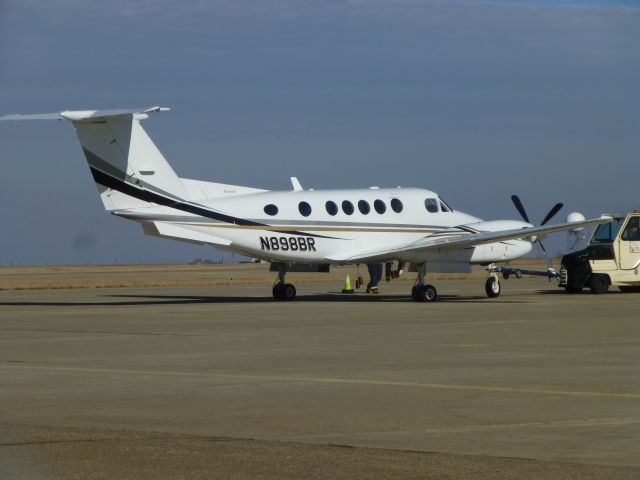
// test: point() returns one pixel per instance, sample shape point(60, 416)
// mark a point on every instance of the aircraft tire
point(424, 293)
point(430, 293)
point(289, 292)
point(418, 294)
point(284, 292)
point(275, 291)
point(492, 287)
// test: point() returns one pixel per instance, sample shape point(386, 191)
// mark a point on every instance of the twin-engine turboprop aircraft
point(297, 230)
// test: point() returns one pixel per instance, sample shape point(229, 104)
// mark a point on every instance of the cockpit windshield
point(444, 207)
point(606, 232)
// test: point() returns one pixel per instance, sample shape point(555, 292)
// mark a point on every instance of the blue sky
point(475, 100)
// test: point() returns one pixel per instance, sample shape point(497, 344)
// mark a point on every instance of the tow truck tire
point(492, 287)
point(599, 283)
point(573, 290)
point(630, 289)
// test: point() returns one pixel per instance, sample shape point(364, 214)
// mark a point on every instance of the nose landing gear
point(492, 286)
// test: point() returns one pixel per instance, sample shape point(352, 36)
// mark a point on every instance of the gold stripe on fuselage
point(306, 228)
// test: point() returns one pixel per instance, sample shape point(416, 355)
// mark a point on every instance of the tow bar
point(519, 272)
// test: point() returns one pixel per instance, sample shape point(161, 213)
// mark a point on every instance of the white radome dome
point(575, 217)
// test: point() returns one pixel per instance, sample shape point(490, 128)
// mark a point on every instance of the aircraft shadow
point(140, 299)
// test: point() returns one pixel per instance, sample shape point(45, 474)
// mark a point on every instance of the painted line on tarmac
point(343, 381)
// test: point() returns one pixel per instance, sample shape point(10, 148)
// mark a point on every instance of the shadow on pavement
point(336, 297)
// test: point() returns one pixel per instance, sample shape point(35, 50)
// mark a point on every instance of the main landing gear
point(422, 292)
point(282, 290)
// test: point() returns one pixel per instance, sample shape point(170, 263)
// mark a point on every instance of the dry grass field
point(110, 276)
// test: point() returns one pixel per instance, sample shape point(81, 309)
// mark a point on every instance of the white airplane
point(297, 230)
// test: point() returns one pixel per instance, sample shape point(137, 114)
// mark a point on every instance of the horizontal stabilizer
point(34, 116)
point(181, 232)
point(80, 115)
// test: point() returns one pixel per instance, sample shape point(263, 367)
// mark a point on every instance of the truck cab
point(612, 258)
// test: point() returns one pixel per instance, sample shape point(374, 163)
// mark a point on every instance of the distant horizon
point(205, 262)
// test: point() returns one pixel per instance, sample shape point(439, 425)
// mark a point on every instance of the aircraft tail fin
point(128, 168)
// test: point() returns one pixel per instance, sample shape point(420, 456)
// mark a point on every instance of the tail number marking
point(303, 244)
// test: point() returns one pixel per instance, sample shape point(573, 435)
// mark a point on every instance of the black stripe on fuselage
point(468, 229)
point(147, 196)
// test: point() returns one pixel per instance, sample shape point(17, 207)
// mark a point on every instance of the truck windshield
point(606, 232)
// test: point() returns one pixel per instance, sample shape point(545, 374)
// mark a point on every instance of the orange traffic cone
point(347, 285)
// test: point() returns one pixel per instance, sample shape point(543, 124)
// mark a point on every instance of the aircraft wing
point(445, 240)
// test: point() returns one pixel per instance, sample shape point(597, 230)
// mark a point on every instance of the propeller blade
point(545, 255)
point(556, 208)
point(544, 250)
point(516, 201)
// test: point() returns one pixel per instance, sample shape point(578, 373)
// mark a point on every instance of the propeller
point(555, 209)
point(523, 213)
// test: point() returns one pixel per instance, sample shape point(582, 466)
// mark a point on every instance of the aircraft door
point(629, 246)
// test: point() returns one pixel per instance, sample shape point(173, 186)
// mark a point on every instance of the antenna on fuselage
point(297, 187)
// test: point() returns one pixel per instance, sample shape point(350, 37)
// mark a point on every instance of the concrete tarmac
point(224, 382)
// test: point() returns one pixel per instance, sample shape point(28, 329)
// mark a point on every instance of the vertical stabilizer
point(121, 155)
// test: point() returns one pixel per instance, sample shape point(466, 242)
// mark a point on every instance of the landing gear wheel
point(430, 293)
point(492, 287)
point(416, 294)
point(289, 292)
point(424, 293)
point(284, 292)
point(599, 283)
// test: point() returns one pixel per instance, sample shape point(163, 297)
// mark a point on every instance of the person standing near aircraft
point(375, 274)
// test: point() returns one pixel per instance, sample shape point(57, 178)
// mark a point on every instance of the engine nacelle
point(500, 251)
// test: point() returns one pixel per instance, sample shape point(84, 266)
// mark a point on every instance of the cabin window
point(632, 232)
point(304, 208)
point(347, 207)
point(431, 204)
point(332, 208)
point(364, 207)
point(271, 209)
point(396, 205)
point(380, 206)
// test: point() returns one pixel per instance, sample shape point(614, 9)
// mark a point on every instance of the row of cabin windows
point(431, 204)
